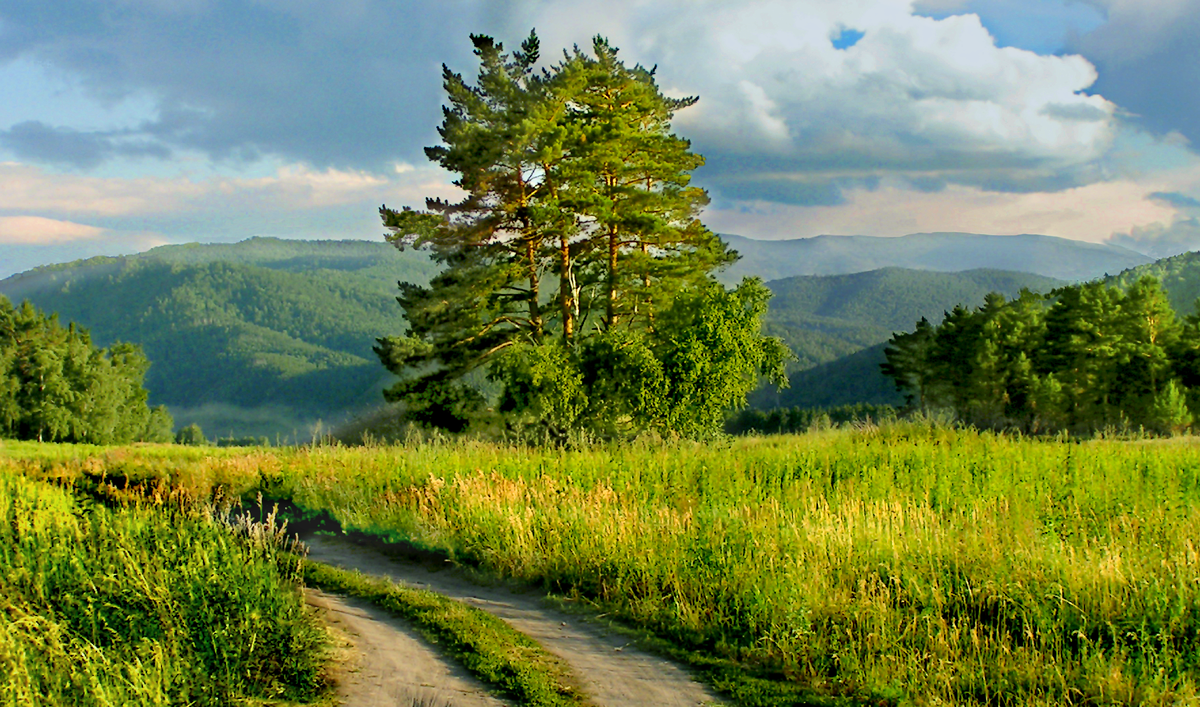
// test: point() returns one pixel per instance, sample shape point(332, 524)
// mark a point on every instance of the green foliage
point(835, 324)
point(191, 435)
point(703, 358)
point(159, 606)
point(1169, 413)
point(1179, 275)
point(56, 386)
point(576, 274)
point(1084, 358)
point(714, 355)
point(797, 420)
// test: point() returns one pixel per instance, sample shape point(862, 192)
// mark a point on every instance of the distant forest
point(56, 386)
point(1083, 358)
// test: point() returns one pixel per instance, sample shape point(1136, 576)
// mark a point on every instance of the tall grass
point(149, 606)
point(908, 563)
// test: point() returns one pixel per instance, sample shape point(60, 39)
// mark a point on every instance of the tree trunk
point(610, 318)
point(535, 306)
point(646, 289)
point(566, 288)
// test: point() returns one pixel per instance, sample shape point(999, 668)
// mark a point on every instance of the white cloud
point(914, 95)
point(1089, 213)
point(30, 230)
point(27, 189)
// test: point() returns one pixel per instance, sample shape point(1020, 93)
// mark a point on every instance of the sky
point(126, 124)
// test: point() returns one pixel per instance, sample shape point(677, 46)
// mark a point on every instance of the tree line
point(56, 386)
point(576, 289)
point(796, 420)
point(1082, 358)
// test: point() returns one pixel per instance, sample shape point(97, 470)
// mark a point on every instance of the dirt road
point(611, 672)
point(387, 663)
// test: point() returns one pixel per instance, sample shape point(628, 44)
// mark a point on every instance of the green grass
point(486, 646)
point(147, 606)
point(902, 564)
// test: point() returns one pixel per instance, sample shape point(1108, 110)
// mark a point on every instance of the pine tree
point(627, 179)
point(908, 364)
point(501, 137)
point(572, 175)
point(1083, 340)
point(1150, 332)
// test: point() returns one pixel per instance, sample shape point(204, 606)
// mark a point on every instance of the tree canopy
point(576, 289)
point(55, 386)
point(1082, 358)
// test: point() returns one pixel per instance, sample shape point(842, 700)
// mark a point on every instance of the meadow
point(163, 604)
point(907, 563)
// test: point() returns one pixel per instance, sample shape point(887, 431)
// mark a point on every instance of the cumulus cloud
point(30, 189)
point(783, 111)
point(1179, 234)
point(34, 140)
point(1162, 240)
point(784, 114)
point(348, 85)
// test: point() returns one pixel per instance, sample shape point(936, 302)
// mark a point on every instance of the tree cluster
point(1081, 358)
point(56, 386)
point(796, 420)
point(576, 284)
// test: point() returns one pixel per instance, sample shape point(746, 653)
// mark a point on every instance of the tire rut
point(389, 663)
point(611, 672)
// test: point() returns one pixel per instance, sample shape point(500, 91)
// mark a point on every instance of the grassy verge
point(149, 606)
point(906, 563)
point(486, 646)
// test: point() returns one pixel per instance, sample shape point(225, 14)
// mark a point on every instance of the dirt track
point(611, 672)
point(389, 664)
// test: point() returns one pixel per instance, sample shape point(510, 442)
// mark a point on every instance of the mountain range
point(1059, 258)
point(271, 337)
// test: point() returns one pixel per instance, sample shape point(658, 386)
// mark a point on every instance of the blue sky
point(132, 123)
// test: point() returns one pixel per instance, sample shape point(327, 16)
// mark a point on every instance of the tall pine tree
point(567, 261)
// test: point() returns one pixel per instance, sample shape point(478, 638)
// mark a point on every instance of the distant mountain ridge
point(268, 336)
point(1049, 256)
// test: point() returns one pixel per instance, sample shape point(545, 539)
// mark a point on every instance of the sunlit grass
point(909, 562)
point(147, 606)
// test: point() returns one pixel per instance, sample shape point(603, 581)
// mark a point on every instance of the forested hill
point(262, 337)
point(831, 321)
point(825, 317)
point(1179, 275)
point(1049, 256)
point(267, 336)
point(854, 375)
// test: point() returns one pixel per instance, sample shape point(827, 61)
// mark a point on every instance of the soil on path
point(612, 672)
point(387, 663)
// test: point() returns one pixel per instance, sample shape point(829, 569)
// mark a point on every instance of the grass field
point(155, 605)
point(909, 563)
